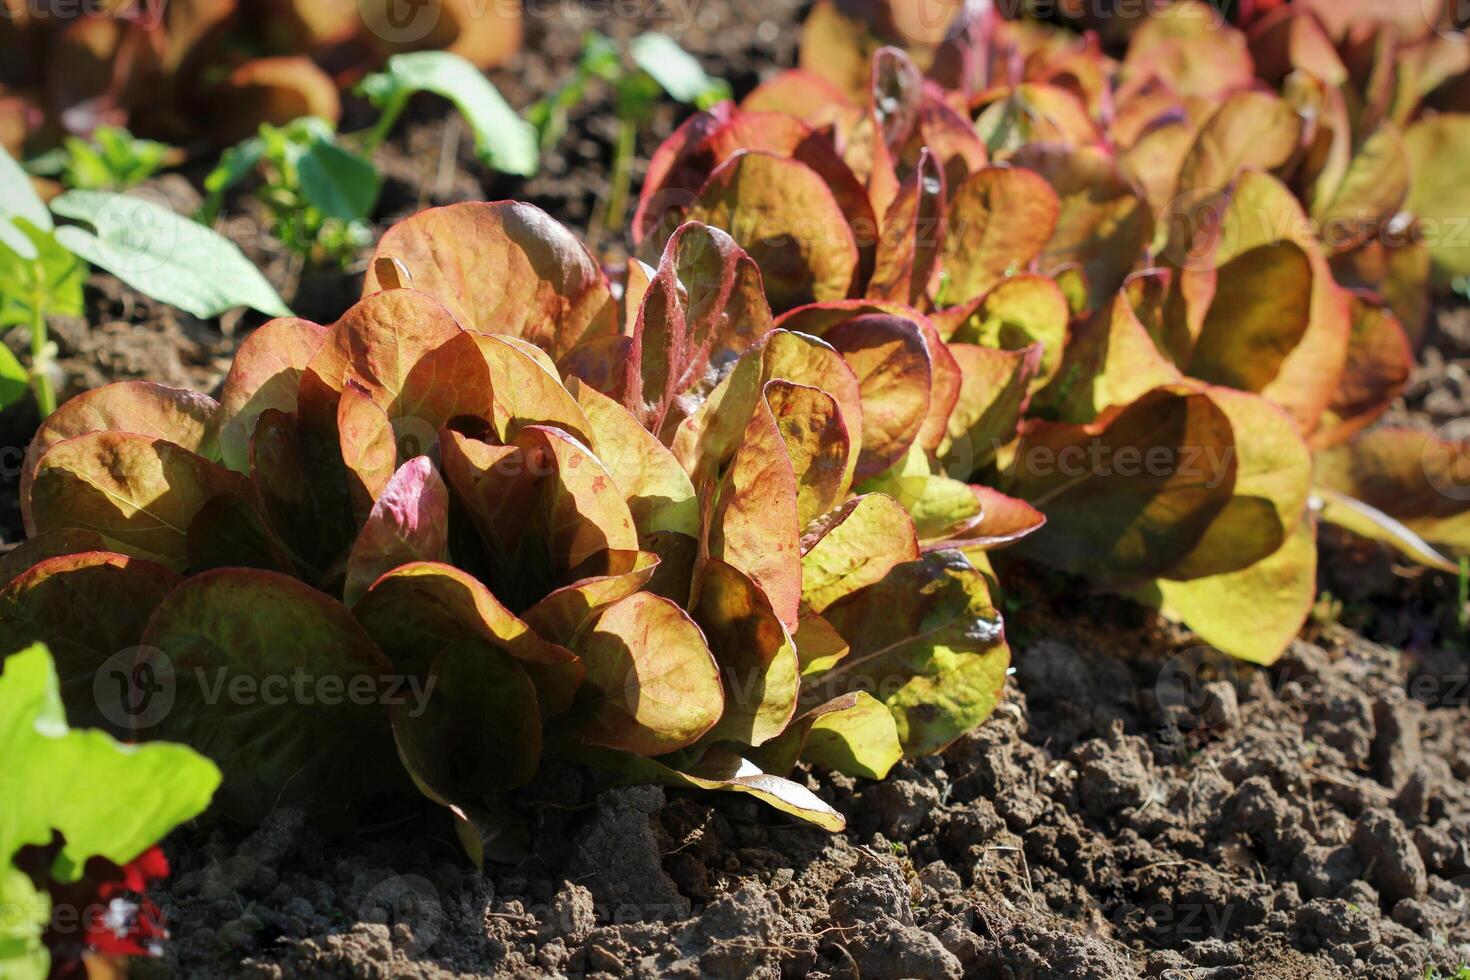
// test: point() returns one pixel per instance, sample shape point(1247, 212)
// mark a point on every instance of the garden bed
point(1300, 822)
point(1135, 807)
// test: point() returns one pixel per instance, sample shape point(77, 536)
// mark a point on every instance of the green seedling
point(655, 64)
point(146, 245)
point(112, 160)
point(321, 186)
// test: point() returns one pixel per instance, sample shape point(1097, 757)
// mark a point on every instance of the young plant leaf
point(14, 378)
point(526, 392)
point(49, 280)
point(706, 441)
point(106, 799)
point(339, 183)
point(1110, 362)
point(676, 71)
point(418, 610)
point(503, 140)
point(409, 355)
point(166, 256)
point(582, 510)
point(19, 200)
point(945, 379)
point(1272, 482)
point(912, 235)
point(817, 443)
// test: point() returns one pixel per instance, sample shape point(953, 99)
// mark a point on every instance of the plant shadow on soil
point(1136, 807)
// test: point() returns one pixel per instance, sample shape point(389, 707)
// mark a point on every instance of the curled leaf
point(854, 547)
point(418, 610)
point(701, 310)
point(754, 523)
point(137, 490)
point(1129, 495)
point(786, 217)
point(409, 522)
point(939, 656)
point(504, 268)
point(853, 734)
point(652, 685)
point(265, 375)
point(185, 418)
point(1000, 220)
point(756, 656)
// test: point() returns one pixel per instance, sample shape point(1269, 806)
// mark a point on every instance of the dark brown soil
point(1439, 391)
point(1136, 807)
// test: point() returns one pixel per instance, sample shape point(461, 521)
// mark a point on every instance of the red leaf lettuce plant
point(638, 531)
point(1123, 262)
